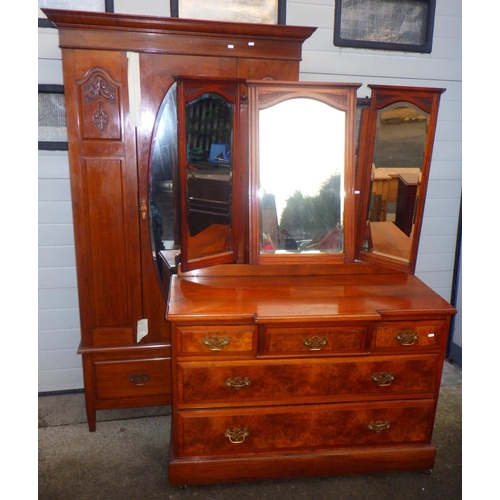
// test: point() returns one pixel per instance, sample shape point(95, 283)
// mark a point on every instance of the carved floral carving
point(100, 105)
point(98, 86)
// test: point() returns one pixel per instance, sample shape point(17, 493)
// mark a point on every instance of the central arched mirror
point(301, 167)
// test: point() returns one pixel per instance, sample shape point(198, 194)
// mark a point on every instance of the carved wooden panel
point(100, 106)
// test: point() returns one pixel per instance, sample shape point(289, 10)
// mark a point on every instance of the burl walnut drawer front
point(279, 429)
point(406, 337)
point(314, 340)
point(125, 379)
point(260, 382)
point(213, 340)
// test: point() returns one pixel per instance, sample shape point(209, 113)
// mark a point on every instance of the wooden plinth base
point(329, 463)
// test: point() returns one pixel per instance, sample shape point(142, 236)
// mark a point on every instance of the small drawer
point(216, 340)
point(310, 427)
point(132, 378)
point(314, 340)
point(319, 380)
point(409, 336)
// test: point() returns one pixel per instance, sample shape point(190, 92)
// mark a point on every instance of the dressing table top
point(302, 298)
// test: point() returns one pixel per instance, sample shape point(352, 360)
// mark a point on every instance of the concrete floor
point(127, 459)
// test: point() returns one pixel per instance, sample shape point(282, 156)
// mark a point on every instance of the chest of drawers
point(303, 376)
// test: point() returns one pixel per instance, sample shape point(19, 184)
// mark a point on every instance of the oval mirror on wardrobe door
point(162, 178)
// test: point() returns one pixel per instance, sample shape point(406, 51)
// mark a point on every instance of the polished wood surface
point(284, 429)
point(301, 298)
point(205, 384)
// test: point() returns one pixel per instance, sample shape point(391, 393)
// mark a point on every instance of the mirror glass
point(398, 156)
point(301, 176)
point(162, 177)
point(209, 140)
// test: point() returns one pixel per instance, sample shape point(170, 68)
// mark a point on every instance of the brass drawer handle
point(379, 426)
point(315, 344)
point(407, 338)
point(139, 378)
point(236, 436)
point(383, 379)
point(238, 383)
point(216, 343)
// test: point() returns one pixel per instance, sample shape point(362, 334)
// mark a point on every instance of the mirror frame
point(232, 90)
point(427, 100)
point(342, 96)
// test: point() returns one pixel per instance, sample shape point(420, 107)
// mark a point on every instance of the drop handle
point(216, 343)
point(236, 436)
point(139, 378)
point(315, 344)
point(379, 426)
point(407, 338)
point(238, 383)
point(383, 379)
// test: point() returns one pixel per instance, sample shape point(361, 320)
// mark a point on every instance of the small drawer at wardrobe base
point(132, 378)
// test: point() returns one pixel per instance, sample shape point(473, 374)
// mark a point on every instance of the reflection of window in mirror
point(302, 175)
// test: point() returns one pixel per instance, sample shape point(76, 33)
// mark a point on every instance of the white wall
point(60, 366)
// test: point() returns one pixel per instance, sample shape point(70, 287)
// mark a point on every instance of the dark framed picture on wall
point(402, 25)
point(243, 11)
point(52, 131)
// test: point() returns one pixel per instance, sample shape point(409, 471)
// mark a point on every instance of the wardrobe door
point(104, 193)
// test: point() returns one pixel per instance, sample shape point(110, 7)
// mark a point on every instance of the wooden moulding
point(91, 30)
point(320, 464)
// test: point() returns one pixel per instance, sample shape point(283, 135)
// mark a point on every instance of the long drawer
point(315, 380)
point(309, 427)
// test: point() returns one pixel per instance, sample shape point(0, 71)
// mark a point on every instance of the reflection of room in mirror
point(398, 156)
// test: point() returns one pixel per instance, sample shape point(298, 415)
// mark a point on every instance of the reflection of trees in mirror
point(316, 218)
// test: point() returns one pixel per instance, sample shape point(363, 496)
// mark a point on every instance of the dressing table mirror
point(209, 149)
point(301, 170)
point(398, 137)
